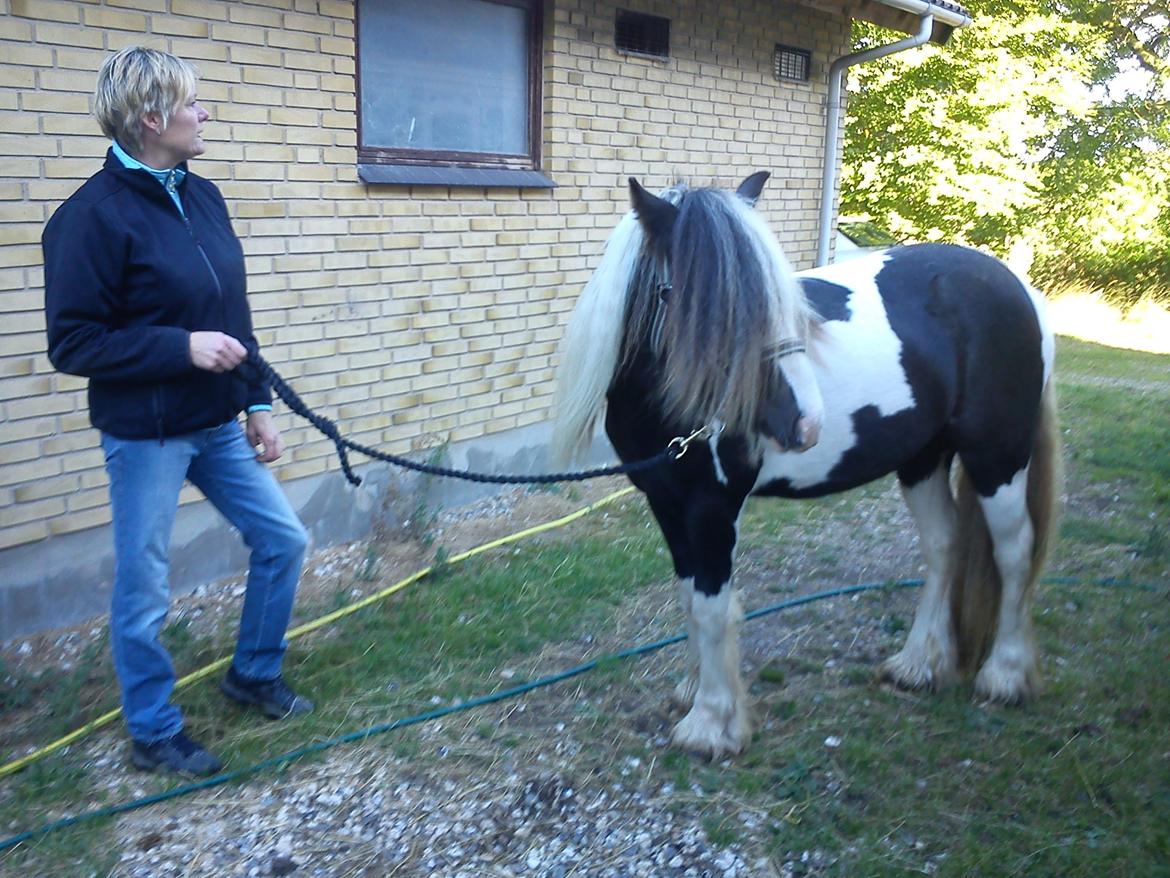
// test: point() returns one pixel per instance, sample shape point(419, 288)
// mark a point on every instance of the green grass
point(1076, 784)
point(1072, 785)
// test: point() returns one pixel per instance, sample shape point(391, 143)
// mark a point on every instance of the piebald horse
point(813, 383)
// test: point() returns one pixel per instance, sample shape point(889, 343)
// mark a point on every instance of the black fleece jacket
point(127, 280)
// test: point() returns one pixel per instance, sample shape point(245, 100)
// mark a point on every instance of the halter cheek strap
point(664, 289)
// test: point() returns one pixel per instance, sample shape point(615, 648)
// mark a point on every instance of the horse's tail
point(592, 343)
point(975, 596)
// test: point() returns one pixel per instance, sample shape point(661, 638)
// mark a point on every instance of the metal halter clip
point(678, 445)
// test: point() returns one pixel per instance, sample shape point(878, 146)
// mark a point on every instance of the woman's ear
point(153, 121)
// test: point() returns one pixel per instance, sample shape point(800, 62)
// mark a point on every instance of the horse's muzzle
point(808, 433)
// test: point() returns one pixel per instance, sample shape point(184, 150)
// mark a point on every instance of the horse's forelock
point(733, 295)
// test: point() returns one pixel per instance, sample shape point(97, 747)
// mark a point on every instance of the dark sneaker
point(178, 754)
point(274, 697)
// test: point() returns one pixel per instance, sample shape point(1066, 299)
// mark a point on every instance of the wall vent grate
point(792, 64)
point(639, 34)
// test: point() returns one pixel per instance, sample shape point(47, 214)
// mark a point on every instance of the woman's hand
point(216, 352)
point(262, 434)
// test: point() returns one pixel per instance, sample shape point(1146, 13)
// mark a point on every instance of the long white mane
point(592, 342)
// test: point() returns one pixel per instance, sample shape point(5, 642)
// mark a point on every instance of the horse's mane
point(734, 296)
point(592, 341)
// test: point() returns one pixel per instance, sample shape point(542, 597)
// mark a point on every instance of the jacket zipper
point(158, 413)
point(210, 268)
point(206, 260)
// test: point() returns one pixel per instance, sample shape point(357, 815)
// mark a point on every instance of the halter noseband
point(784, 348)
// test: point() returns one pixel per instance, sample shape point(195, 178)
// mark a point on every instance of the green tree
point(1044, 124)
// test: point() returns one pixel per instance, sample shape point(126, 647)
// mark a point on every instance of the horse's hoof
point(707, 750)
point(911, 676)
point(698, 734)
point(1010, 687)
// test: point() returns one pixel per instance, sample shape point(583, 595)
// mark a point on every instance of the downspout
point(833, 121)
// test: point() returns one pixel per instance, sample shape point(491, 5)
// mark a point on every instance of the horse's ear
point(749, 190)
point(656, 214)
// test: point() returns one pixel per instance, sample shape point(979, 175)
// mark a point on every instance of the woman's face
point(182, 138)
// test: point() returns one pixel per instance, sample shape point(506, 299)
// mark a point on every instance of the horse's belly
point(782, 475)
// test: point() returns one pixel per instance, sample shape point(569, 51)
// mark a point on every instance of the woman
point(145, 296)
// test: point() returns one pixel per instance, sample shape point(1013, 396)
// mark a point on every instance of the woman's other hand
point(263, 436)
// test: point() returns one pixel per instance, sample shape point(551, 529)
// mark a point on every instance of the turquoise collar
point(169, 179)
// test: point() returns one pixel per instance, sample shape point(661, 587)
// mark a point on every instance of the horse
point(803, 385)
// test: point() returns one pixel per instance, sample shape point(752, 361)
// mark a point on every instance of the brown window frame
point(381, 164)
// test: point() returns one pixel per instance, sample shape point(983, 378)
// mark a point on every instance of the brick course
point(411, 314)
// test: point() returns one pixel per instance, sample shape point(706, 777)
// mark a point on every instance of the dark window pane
point(445, 75)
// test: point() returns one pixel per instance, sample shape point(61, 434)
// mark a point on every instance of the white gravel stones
point(346, 818)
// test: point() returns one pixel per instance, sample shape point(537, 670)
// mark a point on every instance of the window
point(449, 91)
point(641, 34)
point(791, 63)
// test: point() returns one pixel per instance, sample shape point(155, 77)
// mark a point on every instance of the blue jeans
point(145, 478)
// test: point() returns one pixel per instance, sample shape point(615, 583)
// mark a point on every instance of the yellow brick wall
point(410, 315)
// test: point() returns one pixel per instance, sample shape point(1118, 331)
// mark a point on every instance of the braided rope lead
point(281, 388)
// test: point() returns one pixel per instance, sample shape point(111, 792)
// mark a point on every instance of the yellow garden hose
point(17, 764)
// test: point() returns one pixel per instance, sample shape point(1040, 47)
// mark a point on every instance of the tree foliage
point(1043, 125)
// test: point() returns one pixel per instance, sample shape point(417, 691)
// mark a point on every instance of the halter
point(784, 348)
point(663, 288)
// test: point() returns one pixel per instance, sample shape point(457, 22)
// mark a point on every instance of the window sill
point(445, 175)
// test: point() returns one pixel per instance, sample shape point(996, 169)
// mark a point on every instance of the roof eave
point(904, 15)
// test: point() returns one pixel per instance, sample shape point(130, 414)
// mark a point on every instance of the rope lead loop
point(280, 387)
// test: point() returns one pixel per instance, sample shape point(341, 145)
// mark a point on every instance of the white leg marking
point(718, 721)
point(684, 693)
point(929, 659)
point(1010, 675)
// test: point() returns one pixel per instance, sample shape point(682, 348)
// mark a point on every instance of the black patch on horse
point(830, 301)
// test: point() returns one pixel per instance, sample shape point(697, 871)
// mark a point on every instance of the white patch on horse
point(713, 444)
point(856, 363)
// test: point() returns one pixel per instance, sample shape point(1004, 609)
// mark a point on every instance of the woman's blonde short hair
point(136, 81)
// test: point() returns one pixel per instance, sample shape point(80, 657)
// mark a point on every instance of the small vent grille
point(792, 64)
point(641, 34)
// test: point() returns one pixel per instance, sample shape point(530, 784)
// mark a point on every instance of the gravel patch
point(342, 818)
point(547, 807)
